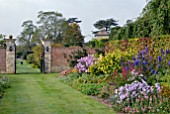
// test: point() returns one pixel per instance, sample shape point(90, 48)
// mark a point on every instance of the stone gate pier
point(8, 57)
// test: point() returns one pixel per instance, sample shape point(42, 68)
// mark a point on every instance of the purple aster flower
point(135, 89)
point(84, 63)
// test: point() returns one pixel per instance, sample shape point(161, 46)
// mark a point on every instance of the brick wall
point(60, 56)
point(2, 60)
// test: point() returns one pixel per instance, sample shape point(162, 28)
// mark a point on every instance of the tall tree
point(25, 38)
point(105, 24)
point(73, 36)
point(51, 24)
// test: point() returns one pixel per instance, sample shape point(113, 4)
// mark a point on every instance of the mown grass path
point(44, 94)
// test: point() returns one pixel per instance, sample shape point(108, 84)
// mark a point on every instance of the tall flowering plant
point(84, 63)
point(152, 66)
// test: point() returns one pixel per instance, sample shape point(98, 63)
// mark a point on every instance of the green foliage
point(87, 78)
point(25, 38)
point(73, 36)
point(2, 41)
point(85, 83)
point(154, 21)
point(106, 91)
point(165, 79)
point(37, 51)
point(132, 46)
point(70, 78)
point(30, 58)
point(74, 56)
point(109, 63)
point(114, 33)
point(89, 88)
point(51, 24)
point(4, 84)
point(35, 57)
point(94, 43)
point(157, 11)
point(56, 45)
point(161, 42)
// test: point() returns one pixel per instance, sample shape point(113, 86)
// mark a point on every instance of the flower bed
point(135, 80)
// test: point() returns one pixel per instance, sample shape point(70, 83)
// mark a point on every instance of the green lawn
point(25, 68)
point(44, 94)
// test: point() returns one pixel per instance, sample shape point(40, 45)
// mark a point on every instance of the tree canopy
point(105, 24)
point(73, 36)
point(153, 21)
point(51, 24)
point(25, 38)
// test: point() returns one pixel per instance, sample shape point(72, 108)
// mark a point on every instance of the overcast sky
point(14, 12)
